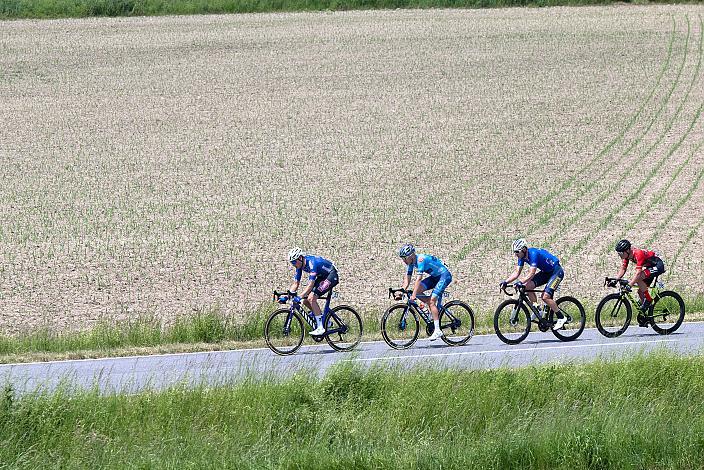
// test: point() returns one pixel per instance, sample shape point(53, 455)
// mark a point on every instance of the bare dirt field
point(166, 165)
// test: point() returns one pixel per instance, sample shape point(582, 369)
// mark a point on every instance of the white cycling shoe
point(318, 331)
point(559, 323)
point(436, 334)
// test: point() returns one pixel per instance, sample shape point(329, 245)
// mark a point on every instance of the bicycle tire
point(274, 327)
point(351, 338)
point(577, 308)
point(520, 329)
point(389, 326)
point(461, 326)
point(618, 327)
point(662, 302)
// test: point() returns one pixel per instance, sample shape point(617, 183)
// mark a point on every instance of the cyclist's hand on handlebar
point(398, 295)
point(518, 285)
point(627, 288)
point(283, 299)
point(503, 285)
point(296, 300)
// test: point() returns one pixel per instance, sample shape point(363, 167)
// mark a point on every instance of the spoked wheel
point(284, 332)
point(511, 321)
point(576, 318)
point(613, 315)
point(667, 312)
point(457, 323)
point(399, 326)
point(349, 325)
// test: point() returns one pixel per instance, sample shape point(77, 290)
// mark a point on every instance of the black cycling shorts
point(656, 267)
point(324, 284)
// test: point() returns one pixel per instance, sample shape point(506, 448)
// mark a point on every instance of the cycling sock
point(319, 320)
point(647, 296)
point(437, 324)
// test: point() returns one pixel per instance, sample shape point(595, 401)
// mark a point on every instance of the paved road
point(131, 374)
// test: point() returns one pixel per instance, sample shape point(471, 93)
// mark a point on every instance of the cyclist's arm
point(416, 287)
point(514, 276)
point(621, 272)
point(294, 286)
point(406, 282)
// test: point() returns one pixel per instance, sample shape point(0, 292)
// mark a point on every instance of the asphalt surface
point(137, 373)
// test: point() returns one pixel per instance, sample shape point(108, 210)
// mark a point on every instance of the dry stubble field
point(166, 165)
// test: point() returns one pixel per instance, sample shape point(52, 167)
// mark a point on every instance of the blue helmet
point(406, 250)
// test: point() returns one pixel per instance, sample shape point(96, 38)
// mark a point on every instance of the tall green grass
point(641, 413)
point(90, 8)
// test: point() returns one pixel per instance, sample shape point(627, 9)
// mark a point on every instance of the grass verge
point(16, 9)
point(642, 413)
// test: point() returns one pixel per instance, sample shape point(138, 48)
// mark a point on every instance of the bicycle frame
point(523, 299)
point(627, 294)
point(309, 318)
point(412, 304)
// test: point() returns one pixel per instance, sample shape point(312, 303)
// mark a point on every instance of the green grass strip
point(543, 202)
point(15, 9)
point(640, 413)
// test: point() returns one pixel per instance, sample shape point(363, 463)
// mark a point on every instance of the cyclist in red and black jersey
point(648, 266)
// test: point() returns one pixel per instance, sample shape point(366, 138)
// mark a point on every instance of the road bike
point(614, 312)
point(284, 330)
point(400, 325)
point(512, 320)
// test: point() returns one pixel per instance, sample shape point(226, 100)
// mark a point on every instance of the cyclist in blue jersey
point(550, 275)
point(439, 277)
point(322, 277)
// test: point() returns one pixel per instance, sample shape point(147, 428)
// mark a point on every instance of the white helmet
point(294, 254)
point(519, 244)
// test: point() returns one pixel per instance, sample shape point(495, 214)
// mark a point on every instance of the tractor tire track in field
point(603, 175)
point(608, 218)
point(543, 202)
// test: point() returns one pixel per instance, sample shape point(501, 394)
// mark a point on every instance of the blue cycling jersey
point(315, 266)
point(428, 264)
point(541, 259)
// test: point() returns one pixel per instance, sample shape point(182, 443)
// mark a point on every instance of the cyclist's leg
point(436, 296)
point(435, 299)
point(322, 287)
point(538, 280)
point(425, 285)
point(556, 278)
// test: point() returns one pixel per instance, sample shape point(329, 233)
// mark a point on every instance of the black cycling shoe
point(645, 305)
point(642, 320)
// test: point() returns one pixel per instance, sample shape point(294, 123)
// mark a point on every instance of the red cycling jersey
point(641, 257)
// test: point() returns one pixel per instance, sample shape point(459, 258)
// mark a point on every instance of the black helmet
point(623, 245)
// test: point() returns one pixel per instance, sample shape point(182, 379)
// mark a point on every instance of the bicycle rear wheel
point(284, 336)
point(576, 318)
point(399, 326)
point(511, 321)
point(667, 312)
point(456, 323)
point(347, 320)
point(613, 315)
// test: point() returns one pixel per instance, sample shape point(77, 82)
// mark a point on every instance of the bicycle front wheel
point(399, 326)
point(668, 312)
point(456, 323)
point(284, 332)
point(511, 321)
point(576, 318)
point(613, 315)
point(348, 325)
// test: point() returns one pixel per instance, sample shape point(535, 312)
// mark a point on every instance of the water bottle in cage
point(660, 284)
point(335, 295)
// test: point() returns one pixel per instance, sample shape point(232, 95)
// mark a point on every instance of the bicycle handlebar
point(277, 294)
point(392, 291)
point(614, 281)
